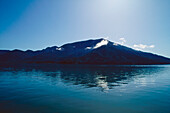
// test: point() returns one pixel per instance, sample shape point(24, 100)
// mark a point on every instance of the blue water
point(85, 89)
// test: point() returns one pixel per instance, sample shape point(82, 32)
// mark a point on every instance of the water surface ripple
point(85, 89)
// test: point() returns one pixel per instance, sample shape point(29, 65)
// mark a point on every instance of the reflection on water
point(60, 81)
point(104, 77)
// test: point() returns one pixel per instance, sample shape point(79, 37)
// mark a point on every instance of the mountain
point(99, 51)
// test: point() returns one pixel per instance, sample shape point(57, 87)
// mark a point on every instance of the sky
point(37, 24)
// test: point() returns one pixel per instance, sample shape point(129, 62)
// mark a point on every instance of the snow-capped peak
point(101, 43)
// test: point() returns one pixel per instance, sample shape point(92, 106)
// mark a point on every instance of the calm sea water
point(85, 89)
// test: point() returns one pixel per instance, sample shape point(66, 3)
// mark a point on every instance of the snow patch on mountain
point(101, 43)
point(115, 44)
point(88, 48)
point(59, 48)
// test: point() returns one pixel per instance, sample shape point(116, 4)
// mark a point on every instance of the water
point(85, 89)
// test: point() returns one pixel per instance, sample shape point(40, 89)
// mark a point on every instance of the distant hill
point(99, 51)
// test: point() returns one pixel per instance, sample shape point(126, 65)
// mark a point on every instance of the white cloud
point(152, 46)
point(122, 41)
point(142, 46)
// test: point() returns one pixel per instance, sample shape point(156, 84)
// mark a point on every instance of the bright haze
point(37, 24)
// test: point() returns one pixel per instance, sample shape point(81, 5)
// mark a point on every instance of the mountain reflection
point(103, 77)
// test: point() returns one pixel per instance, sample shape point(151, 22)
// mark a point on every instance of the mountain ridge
point(98, 51)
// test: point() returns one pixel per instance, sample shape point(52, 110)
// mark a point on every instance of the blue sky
point(36, 24)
